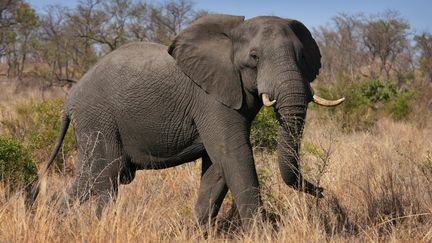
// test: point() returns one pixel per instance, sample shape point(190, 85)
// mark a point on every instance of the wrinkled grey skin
point(146, 106)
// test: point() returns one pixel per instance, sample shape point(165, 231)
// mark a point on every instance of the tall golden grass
point(378, 187)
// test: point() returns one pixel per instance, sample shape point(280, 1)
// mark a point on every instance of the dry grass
point(14, 92)
point(378, 188)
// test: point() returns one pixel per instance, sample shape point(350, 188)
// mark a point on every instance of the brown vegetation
point(377, 187)
point(373, 155)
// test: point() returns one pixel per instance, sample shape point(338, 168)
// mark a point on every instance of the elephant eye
point(254, 56)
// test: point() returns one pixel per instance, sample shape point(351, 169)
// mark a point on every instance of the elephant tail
point(35, 188)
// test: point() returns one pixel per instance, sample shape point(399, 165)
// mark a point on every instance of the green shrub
point(37, 125)
point(264, 130)
point(400, 107)
point(375, 90)
point(366, 101)
point(16, 166)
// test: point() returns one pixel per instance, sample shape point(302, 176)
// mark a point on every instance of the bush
point(264, 130)
point(37, 125)
point(399, 108)
point(366, 101)
point(375, 91)
point(16, 166)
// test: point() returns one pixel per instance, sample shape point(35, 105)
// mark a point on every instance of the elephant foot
point(272, 218)
point(310, 188)
point(232, 221)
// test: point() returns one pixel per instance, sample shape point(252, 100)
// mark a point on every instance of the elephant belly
point(162, 144)
point(189, 154)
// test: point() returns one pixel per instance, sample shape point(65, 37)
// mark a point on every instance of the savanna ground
point(373, 154)
point(377, 181)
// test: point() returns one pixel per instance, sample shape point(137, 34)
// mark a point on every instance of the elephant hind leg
point(105, 193)
point(101, 160)
point(104, 189)
point(211, 193)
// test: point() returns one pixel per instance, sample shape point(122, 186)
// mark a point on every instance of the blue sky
point(312, 13)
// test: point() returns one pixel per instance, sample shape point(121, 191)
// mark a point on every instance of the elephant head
point(271, 58)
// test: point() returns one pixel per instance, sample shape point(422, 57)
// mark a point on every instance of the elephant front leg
point(211, 193)
point(242, 180)
point(229, 148)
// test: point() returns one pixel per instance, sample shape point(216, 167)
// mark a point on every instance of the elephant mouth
point(315, 98)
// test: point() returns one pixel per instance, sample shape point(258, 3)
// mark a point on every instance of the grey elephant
point(149, 106)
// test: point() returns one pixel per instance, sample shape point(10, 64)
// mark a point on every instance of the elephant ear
point(204, 52)
point(309, 55)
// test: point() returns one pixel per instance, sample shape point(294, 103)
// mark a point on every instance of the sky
point(313, 13)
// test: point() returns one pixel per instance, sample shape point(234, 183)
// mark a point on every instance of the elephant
point(150, 106)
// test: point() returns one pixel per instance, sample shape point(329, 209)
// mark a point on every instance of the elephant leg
point(80, 188)
point(105, 191)
point(101, 161)
point(241, 178)
point(211, 193)
point(227, 144)
point(103, 188)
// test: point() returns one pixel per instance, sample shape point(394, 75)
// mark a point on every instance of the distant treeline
point(381, 46)
point(69, 40)
point(62, 43)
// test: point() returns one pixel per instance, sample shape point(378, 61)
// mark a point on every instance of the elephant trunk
point(281, 84)
point(289, 135)
point(291, 113)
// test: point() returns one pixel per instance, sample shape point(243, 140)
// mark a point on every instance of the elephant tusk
point(324, 102)
point(266, 100)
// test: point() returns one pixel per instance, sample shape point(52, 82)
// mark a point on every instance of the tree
point(7, 19)
point(340, 46)
point(386, 38)
point(69, 41)
point(141, 24)
point(170, 18)
point(68, 56)
point(424, 44)
point(7, 12)
point(28, 22)
point(112, 23)
point(114, 15)
point(19, 23)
